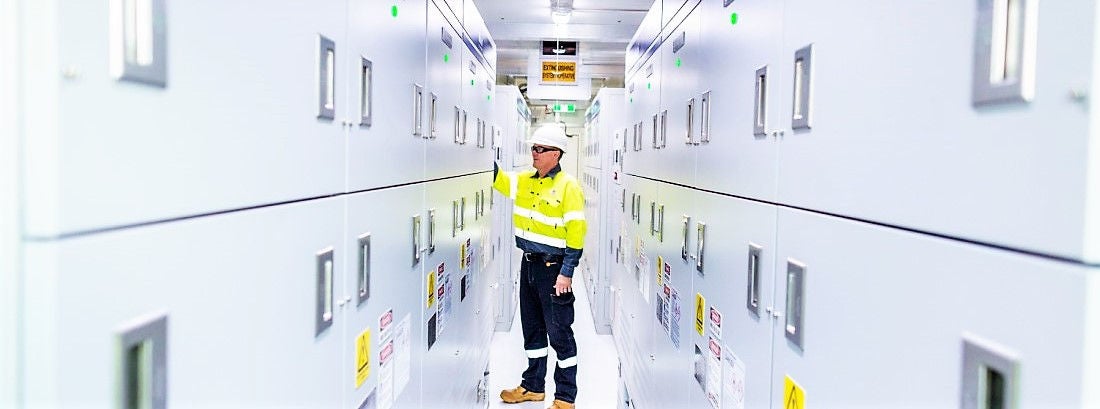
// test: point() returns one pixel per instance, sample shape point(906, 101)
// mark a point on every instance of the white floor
point(597, 367)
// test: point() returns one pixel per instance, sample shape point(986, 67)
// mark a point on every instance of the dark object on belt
point(542, 257)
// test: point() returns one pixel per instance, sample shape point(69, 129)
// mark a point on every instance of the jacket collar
point(553, 172)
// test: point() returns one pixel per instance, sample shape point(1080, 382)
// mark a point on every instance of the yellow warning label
point(559, 71)
point(362, 358)
point(431, 288)
point(462, 256)
point(660, 274)
point(793, 395)
point(700, 305)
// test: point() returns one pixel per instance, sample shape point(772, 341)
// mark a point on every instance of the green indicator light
point(488, 97)
point(631, 100)
point(446, 57)
point(557, 107)
point(393, 11)
point(677, 61)
point(471, 83)
point(649, 85)
point(733, 18)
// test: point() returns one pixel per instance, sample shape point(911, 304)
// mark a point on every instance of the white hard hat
point(549, 135)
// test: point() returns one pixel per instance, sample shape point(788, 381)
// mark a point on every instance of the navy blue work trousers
point(543, 315)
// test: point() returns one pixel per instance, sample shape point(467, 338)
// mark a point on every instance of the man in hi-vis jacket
point(549, 224)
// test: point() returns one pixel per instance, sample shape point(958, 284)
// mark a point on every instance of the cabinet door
point(680, 114)
point(643, 113)
point(671, 307)
point(455, 359)
point(385, 105)
point(741, 101)
point(960, 169)
point(102, 144)
point(736, 254)
point(636, 322)
point(877, 299)
point(444, 127)
point(386, 294)
point(246, 295)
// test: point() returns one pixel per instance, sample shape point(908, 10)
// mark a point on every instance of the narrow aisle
point(597, 368)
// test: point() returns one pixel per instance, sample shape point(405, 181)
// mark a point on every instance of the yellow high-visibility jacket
point(548, 216)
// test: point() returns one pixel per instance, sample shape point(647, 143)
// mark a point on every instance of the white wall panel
point(229, 116)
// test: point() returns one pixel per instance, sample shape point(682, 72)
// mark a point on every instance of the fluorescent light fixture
point(560, 17)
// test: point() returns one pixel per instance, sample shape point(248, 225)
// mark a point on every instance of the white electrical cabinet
point(731, 247)
point(380, 268)
point(388, 107)
point(842, 211)
point(643, 97)
point(10, 240)
point(598, 179)
point(669, 286)
point(741, 106)
point(238, 310)
point(633, 325)
point(455, 321)
point(876, 299)
point(446, 129)
point(175, 122)
point(643, 113)
point(514, 118)
point(311, 235)
point(459, 86)
point(906, 128)
point(682, 102)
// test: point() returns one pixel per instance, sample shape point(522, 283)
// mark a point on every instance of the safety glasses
point(543, 149)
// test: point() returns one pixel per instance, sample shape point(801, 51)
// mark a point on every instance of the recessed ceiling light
point(560, 17)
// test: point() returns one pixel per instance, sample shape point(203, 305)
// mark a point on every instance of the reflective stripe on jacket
point(548, 213)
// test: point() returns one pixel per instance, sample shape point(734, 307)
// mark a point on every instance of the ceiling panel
point(602, 28)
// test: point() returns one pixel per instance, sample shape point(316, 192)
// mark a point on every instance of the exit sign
point(564, 108)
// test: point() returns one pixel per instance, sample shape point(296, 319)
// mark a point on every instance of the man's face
point(544, 157)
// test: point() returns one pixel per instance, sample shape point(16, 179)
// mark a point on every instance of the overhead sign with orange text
point(559, 71)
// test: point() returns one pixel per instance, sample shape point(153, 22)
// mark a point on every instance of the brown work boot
point(560, 404)
point(520, 394)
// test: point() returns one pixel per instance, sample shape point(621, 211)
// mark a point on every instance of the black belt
point(543, 257)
